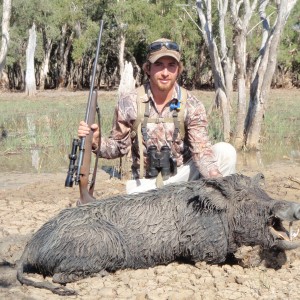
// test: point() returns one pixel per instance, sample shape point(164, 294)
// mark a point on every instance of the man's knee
point(224, 149)
point(226, 157)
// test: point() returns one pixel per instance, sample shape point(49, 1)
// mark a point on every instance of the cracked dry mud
point(29, 200)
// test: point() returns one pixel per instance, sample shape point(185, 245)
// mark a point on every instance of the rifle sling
point(93, 180)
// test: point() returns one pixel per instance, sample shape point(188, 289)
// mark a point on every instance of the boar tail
point(56, 289)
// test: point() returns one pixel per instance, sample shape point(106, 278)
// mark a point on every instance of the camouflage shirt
point(195, 144)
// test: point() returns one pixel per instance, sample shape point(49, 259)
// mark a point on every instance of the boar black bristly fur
point(203, 220)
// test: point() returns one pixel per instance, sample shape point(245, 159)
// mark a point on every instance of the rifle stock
point(82, 168)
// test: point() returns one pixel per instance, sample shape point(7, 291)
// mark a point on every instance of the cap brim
point(155, 56)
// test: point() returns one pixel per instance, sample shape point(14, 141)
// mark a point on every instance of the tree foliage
point(67, 32)
point(140, 21)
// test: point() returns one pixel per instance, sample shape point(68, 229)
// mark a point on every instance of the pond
point(41, 155)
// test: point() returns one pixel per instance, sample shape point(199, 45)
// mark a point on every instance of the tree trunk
point(121, 54)
point(64, 54)
point(65, 61)
point(4, 42)
point(30, 74)
point(18, 76)
point(227, 64)
point(240, 55)
point(127, 82)
point(241, 16)
point(77, 76)
point(204, 12)
point(260, 85)
point(136, 68)
point(46, 60)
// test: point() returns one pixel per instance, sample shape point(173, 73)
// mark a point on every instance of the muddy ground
point(29, 200)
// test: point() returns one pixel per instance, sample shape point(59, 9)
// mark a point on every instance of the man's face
point(163, 73)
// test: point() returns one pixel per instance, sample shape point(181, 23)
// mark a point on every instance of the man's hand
point(214, 174)
point(84, 130)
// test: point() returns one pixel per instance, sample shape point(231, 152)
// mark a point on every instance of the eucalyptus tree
point(61, 22)
point(247, 133)
point(16, 56)
point(42, 14)
point(288, 70)
point(265, 67)
point(49, 16)
point(6, 13)
point(241, 15)
point(58, 23)
point(71, 19)
point(221, 62)
point(268, 31)
point(30, 87)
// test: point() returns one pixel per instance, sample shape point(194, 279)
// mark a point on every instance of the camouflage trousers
point(226, 158)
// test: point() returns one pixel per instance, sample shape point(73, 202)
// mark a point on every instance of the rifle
point(81, 169)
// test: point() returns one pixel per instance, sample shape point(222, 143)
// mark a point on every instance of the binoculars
point(160, 161)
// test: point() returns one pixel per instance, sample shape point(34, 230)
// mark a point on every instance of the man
point(169, 153)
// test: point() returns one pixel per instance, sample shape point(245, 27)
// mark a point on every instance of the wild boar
point(204, 220)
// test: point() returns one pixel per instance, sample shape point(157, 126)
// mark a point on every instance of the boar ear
point(228, 184)
point(234, 186)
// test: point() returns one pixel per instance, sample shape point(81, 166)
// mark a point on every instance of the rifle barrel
point(87, 113)
point(94, 72)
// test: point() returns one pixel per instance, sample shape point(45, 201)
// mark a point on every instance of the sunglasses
point(156, 46)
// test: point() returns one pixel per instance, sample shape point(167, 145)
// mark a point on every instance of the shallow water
point(28, 143)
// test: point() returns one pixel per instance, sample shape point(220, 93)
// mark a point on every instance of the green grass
point(48, 123)
point(54, 119)
point(280, 132)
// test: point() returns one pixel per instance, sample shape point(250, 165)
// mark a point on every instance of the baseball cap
point(163, 47)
